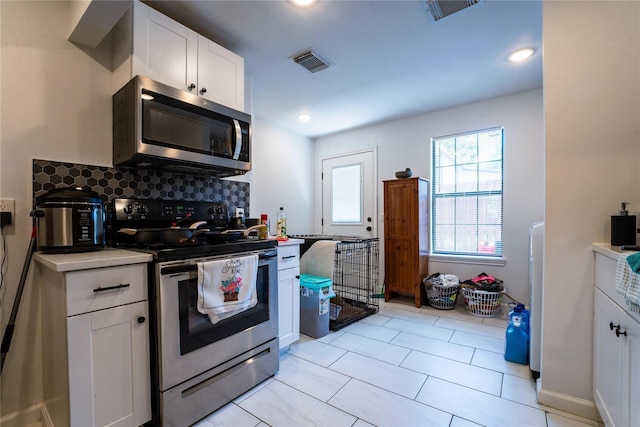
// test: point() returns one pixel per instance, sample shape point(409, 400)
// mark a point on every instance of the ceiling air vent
point(311, 60)
point(439, 9)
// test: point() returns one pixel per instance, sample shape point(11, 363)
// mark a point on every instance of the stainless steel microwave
point(160, 127)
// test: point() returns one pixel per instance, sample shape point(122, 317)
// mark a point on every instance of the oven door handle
point(268, 254)
point(165, 271)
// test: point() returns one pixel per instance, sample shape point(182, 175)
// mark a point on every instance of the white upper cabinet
point(150, 44)
point(163, 49)
point(220, 74)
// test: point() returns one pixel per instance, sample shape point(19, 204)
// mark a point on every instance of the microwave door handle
point(236, 153)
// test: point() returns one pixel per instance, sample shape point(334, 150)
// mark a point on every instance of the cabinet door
point(400, 229)
point(608, 361)
point(163, 49)
point(220, 74)
point(288, 306)
point(633, 376)
point(109, 378)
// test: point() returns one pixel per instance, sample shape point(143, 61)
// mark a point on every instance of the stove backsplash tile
point(116, 182)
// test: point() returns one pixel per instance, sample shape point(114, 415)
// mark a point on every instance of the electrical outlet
point(8, 205)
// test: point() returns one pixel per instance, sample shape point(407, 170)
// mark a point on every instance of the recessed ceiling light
point(303, 3)
point(521, 54)
point(304, 117)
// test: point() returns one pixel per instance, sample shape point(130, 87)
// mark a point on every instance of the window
point(467, 182)
point(347, 190)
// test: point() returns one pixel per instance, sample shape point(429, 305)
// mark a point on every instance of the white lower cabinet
point(96, 346)
point(288, 294)
point(616, 352)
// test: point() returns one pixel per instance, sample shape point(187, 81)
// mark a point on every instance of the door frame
point(374, 187)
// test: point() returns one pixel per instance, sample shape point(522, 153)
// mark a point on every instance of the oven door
point(189, 344)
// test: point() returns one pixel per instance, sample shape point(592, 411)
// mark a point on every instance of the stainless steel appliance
point(70, 219)
point(157, 126)
point(536, 267)
point(199, 366)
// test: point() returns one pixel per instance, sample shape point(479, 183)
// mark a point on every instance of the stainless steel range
point(198, 365)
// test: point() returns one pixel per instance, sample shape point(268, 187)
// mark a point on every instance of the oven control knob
point(141, 319)
point(143, 210)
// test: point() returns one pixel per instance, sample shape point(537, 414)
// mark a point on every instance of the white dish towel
point(227, 287)
point(628, 284)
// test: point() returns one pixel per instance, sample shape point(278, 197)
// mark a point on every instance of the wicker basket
point(440, 296)
point(482, 303)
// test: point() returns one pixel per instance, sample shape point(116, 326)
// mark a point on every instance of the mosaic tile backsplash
point(110, 183)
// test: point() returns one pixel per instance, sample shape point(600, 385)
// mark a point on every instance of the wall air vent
point(311, 60)
point(439, 9)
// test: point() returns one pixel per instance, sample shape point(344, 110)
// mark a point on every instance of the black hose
point(8, 332)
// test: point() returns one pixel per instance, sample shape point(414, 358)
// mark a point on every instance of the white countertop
point(612, 252)
point(108, 257)
point(288, 242)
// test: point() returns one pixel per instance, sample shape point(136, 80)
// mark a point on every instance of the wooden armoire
point(406, 237)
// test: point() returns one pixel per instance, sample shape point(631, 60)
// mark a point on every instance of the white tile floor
point(402, 366)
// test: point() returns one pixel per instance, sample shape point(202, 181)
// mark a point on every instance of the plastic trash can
point(315, 292)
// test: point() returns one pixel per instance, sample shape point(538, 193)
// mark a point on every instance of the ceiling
point(391, 60)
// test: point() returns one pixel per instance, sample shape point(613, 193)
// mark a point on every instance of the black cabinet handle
point(203, 90)
point(369, 229)
point(141, 319)
point(298, 277)
point(617, 328)
point(191, 86)
point(288, 257)
point(111, 288)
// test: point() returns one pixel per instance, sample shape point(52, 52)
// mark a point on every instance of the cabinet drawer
point(97, 289)
point(288, 256)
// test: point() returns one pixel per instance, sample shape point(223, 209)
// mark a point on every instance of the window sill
point(461, 259)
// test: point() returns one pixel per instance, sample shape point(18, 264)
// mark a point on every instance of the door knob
point(141, 319)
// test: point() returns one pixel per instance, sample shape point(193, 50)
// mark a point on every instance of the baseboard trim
point(26, 416)
point(573, 405)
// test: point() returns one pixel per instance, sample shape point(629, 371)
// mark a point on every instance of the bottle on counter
point(281, 225)
point(264, 231)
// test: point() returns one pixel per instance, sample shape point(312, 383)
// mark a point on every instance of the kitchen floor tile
point(456, 372)
point(482, 342)
point(315, 380)
point(384, 375)
point(417, 328)
point(477, 406)
point(403, 366)
point(281, 405)
point(316, 352)
point(440, 348)
point(419, 316)
point(230, 415)
point(518, 389)
point(372, 331)
point(372, 348)
point(496, 362)
point(383, 408)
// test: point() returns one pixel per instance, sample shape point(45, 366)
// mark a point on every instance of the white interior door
point(348, 195)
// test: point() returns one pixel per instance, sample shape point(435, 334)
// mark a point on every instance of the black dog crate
point(355, 277)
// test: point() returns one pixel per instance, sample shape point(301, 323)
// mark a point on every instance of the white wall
point(56, 105)
point(405, 143)
point(281, 176)
point(592, 119)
